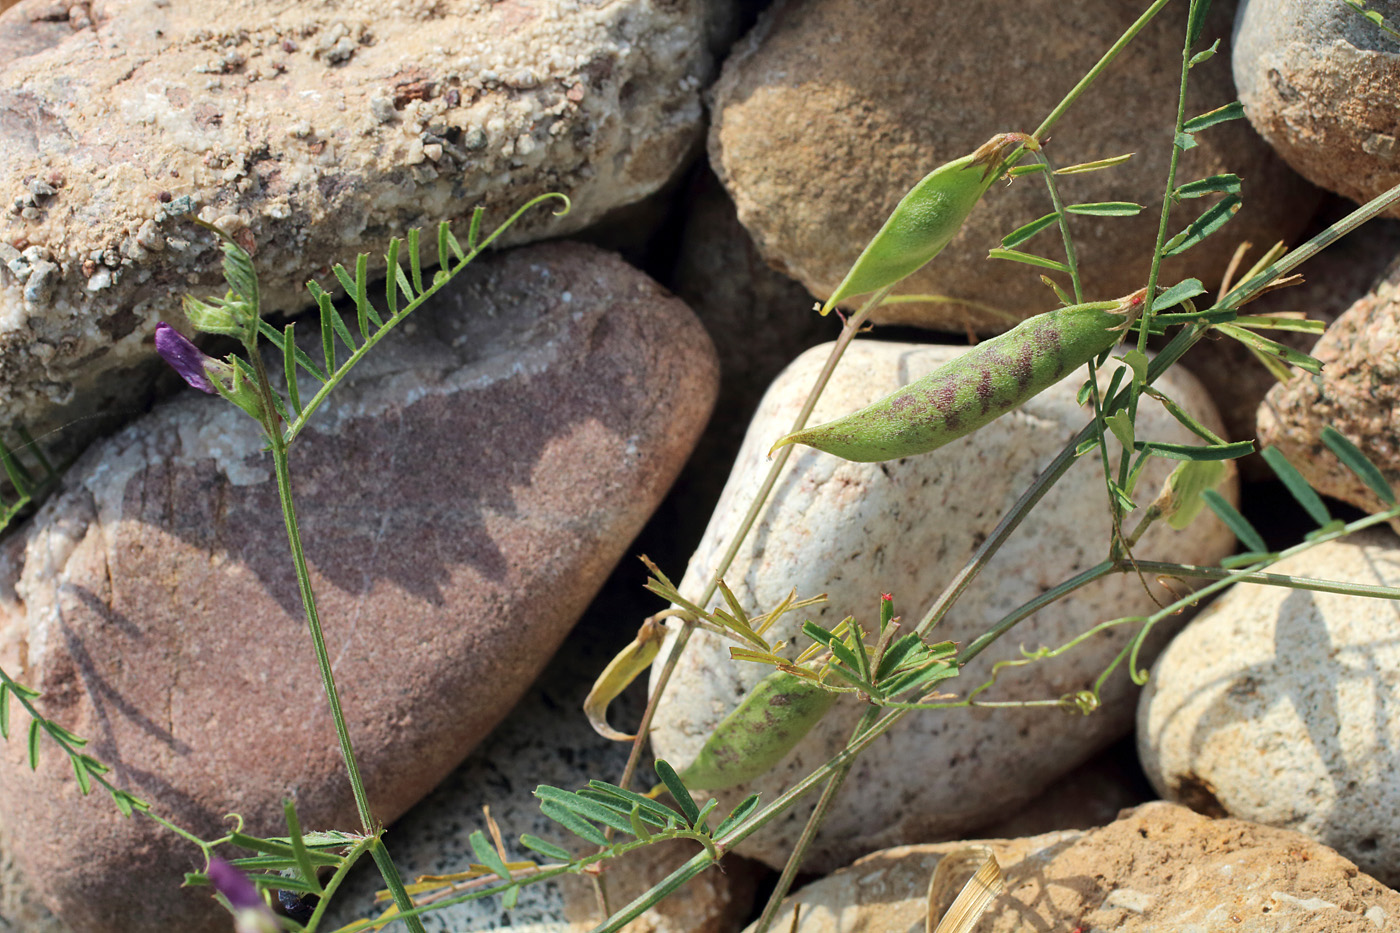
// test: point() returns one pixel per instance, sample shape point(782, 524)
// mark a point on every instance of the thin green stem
point(1071, 254)
point(1009, 621)
point(346, 863)
point(1054, 116)
point(1168, 197)
point(318, 639)
point(390, 873)
point(848, 332)
point(370, 826)
point(1241, 576)
point(704, 860)
point(370, 340)
point(1072, 260)
point(56, 734)
point(1008, 524)
point(1247, 290)
point(809, 832)
point(1267, 579)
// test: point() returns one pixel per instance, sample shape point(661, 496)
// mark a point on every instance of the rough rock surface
point(547, 740)
point(856, 530)
point(1358, 392)
point(1322, 85)
point(309, 131)
point(1158, 867)
point(1332, 281)
point(460, 504)
point(759, 319)
point(20, 909)
point(829, 111)
point(1282, 707)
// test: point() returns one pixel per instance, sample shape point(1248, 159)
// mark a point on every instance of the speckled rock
point(1281, 706)
point(855, 530)
point(547, 740)
point(1322, 85)
point(460, 504)
point(1160, 867)
point(311, 132)
point(1358, 392)
point(831, 110)
point(20, 909)
point(1090, 795)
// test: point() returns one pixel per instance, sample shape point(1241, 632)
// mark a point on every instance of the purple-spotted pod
point(989, 380)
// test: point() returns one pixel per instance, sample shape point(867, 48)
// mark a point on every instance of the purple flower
point(184, 357)
point(250, 912)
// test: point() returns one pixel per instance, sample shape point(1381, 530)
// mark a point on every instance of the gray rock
point(461, 502)
point(1280, 706)
point(20, 909)
point(830, 110)
point(149, 111)
point(1159, 867)
point(855, 530)
point(1357, 392)
point(547, 740)
point(1319, 82)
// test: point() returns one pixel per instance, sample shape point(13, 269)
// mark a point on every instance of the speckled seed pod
point(776, 714)
point(927, 218)
point(983, 384)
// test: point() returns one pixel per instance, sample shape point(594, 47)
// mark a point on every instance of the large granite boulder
point(905, 527)
point(1279, 706)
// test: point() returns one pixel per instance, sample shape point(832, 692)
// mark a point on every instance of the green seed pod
point(777, 713)
point(926, 218)
point(983, 384)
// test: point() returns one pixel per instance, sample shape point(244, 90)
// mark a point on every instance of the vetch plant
point(894, 670)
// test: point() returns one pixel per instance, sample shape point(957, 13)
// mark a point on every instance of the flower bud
point(184, 357)
point(227, 315)
point(203, 372)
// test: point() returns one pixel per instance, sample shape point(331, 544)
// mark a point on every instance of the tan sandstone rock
point(830, 110)
point(1159, 867)
point(1358, 393)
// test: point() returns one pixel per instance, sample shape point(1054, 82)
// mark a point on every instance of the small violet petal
point(184, 357)
point(242, 894)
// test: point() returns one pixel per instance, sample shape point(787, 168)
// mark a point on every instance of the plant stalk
point(848, 332)
point(278, 446)
point(809, 832)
